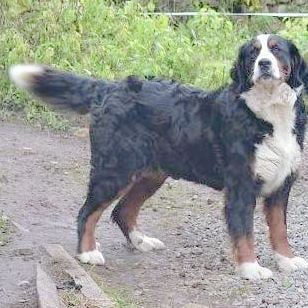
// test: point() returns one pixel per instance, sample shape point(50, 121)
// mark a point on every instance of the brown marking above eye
point(273, 44)
point(257, 45)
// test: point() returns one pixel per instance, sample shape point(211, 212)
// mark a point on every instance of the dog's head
point(268, 58)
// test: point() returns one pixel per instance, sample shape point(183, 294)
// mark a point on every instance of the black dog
point(245, 139)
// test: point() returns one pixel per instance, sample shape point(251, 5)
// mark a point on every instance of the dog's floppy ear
point(299, 70)
point(239, 73)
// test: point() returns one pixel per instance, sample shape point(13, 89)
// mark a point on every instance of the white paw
point(253, 271)
point(290, 264)
point(145, 243)
point(94, 257)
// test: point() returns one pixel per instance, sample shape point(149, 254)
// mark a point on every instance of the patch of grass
point(99, 38)
point(4, 229)
point(36, 112)
point(120, 296)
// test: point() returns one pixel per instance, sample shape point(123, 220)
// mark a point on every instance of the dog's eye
point(254, 51)
point(275, 47)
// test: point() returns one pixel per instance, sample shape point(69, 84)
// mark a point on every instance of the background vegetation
point(104, 39)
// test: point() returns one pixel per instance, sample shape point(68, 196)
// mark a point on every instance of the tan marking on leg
point(142, 190)
point(88, 242)
point(243, 249)
point(275, 218)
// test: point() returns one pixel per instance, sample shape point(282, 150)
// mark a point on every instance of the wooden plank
point(46, 290)
point(192, 305)
point(88, 286)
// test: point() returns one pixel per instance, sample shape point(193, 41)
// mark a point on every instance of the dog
point(244, 139)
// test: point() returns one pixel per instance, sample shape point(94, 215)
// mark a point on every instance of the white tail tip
point(22, 74)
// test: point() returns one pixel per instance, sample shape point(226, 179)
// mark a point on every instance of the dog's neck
point(272, 101)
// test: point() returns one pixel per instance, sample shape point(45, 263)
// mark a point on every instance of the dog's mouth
point(267, 82)
point(267, 77)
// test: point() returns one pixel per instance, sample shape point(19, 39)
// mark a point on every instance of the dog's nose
point(264, 63)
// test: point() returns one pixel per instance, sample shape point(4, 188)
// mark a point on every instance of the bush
point(96, 38)
point(297, 31)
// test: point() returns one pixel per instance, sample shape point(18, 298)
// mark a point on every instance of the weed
point(4, 229)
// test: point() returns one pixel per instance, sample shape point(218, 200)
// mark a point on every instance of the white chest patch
point(279, 154)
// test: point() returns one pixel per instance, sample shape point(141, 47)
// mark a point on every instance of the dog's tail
point(55, 87)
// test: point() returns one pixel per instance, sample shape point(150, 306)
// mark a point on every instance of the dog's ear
point(299, 70)
point(239, 72)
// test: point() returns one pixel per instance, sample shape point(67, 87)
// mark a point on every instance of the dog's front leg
point(275, 209)
point(239, 215)
point(239, 211)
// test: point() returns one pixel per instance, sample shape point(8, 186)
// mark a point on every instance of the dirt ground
point(43, 179)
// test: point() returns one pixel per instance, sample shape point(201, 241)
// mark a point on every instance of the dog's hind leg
point(100, 195)
point(88, 248)
point(126, 211)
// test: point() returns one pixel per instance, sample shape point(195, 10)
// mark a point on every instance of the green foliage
point(98, 38)
point(297, 31)
point(252, 4)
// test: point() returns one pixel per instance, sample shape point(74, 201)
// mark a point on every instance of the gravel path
point(43, 180)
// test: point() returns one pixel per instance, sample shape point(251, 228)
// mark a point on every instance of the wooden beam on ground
point(89, 288)
point(46, 290)
point(192, 305)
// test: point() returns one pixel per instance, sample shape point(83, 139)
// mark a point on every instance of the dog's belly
point(276, 159)
point(197, 164)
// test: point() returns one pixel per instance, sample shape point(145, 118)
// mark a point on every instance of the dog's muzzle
point(265, 69)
